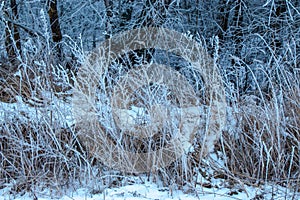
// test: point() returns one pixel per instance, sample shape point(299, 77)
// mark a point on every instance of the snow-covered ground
point(152, 191)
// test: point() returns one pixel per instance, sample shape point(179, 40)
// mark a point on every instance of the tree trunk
point(12, 35)
point(238, 27)
point(55, 25)
point(109, 14)
point(223, 17)
point(277, 24)
point(54, 21)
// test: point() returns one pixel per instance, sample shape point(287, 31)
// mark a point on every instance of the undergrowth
point(39, 147)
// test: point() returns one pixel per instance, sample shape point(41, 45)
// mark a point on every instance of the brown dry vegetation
point(263, 144)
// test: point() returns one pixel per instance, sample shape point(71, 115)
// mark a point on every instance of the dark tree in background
point(277, 23)
point(122, 16)
point(12, 35)
point(223, 19)
point(55, 26)
point(252, 34)
point(109, 14)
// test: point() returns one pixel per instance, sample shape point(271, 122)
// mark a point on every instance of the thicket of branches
point(255, 44)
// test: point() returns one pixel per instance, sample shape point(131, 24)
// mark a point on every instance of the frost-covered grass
point(263, 136)
point(257, 154)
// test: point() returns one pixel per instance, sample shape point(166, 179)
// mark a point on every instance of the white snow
point(151, 191)
point(59, 110)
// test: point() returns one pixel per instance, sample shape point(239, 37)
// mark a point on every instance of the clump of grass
point(34, 153)
point(264, 144)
